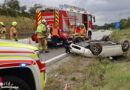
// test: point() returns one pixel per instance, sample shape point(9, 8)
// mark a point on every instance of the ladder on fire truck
point(65, 7)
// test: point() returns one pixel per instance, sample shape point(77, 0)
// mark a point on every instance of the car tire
point(95, 48)
point(77, 40)
point(14, 81)
point(89, 35)
point(105, 38)
point(124, 45)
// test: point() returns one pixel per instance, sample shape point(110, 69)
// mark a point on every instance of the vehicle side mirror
point(94, 20)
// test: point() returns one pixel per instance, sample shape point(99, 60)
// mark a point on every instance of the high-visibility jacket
point(55, 32)
point(13, 31)
point(77, 30)
point(71, 30)
point(40, 29)
point(82, 31)
point(2, 32)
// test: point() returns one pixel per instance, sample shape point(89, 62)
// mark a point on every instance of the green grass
point(121, 34)
point(118, 77)
point(98, 74)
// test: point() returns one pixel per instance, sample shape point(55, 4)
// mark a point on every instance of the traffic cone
point(66, 87)
point(29, 41)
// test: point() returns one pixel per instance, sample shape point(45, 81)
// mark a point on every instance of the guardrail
point(21, 35)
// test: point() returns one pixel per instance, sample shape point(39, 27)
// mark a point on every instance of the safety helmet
point(39, 22)
point(14, 23)
point(71, 25)
point(43, 21)
point(82, 24)
point(1, 23)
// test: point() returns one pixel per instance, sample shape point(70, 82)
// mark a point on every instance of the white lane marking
point(55, 58)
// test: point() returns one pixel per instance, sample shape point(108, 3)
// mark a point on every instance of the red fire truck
point(64, 16)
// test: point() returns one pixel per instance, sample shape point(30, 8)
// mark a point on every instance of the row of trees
point(124, 23)
point(13, 8)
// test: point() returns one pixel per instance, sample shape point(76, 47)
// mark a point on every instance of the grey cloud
point(106, 11)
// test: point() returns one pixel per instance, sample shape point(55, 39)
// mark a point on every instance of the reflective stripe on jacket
point(71, 31)
point(2, 30)
point(82, 31)
point(40, 29)
point(13, 31)
point(54, 32)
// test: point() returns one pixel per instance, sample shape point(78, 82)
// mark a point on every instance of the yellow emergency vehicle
point(21, 67)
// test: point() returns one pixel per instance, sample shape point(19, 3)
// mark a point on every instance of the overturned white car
point(104, 48)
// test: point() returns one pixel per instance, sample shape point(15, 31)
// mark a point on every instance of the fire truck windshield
point(47, 10)
point(90, 18)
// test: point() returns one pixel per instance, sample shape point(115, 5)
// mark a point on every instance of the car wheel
point(95, 48)
point(77, 39)
point(125, 45)
point(9, 82)
point(105, 38)
point(89, 35)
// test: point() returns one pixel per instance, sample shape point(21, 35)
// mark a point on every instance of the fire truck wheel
point(77, 39)
point(95, 48)
point(14, 82)
point(32, 37)
point(125, 45)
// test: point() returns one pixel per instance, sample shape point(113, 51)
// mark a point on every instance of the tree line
point(124, 23)
point(12, 8)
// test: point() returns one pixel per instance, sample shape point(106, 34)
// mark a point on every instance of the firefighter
point(13, 32)
point(42, 35)
point(68, 41)
point(83, 31)
point(54, 35)
point(77, 29)
point(71, 30)
point(2, 31)
point(46, 37)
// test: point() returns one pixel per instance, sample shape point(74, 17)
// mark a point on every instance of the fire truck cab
point(21, 67)
point(63, 17)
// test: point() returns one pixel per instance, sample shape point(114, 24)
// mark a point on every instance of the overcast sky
point(106, 11)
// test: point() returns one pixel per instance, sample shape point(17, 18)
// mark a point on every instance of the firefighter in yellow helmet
point(2, 31)
point(71, 29)
point(13, 31)
point(42, 36)
point(83, 31)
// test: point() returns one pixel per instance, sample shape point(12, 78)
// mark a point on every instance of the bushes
point(3, 12)
point(13, 13)
point(12, 8)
